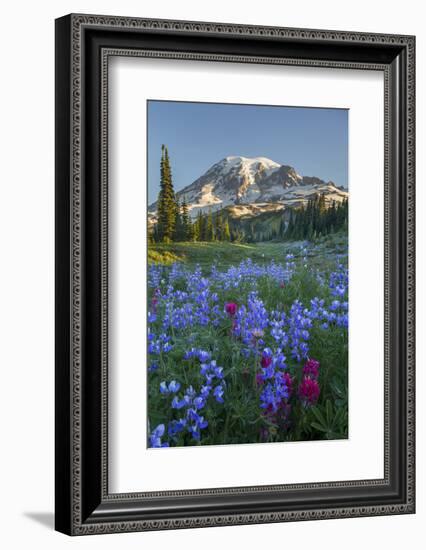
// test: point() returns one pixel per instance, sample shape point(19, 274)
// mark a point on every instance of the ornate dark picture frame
point(84, 44)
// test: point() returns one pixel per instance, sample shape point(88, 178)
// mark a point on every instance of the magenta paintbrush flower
point(266, 361)
point(311, 368)
point(231, 308)
point(309, 391)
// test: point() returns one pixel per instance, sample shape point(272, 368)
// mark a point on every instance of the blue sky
point(314, 141)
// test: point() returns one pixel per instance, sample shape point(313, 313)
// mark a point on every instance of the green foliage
point(330, 420)
point(179, 230)
point(210, 232)
point(315, 219)
point(226, 233)
point(164, 257)
point(187, 232)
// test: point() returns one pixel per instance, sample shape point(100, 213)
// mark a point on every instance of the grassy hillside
point(226, 254)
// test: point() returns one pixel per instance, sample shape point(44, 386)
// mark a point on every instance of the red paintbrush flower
point(311, 368)
point(309, 391)
point(266, 361)
point(231, 308)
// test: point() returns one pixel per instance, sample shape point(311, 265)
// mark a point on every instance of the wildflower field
point(247, 344)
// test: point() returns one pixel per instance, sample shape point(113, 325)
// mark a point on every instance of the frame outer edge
point(63, 496)
point(77, 22)
point(411, 272)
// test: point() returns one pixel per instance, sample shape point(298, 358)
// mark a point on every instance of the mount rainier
point(251, 186)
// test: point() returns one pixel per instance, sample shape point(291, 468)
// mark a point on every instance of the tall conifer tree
point(186, 222)
point(178, 234)
point(210, 227)
point(226, 236)
point(166, 200)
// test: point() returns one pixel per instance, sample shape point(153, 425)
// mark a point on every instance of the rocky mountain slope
point(251, 186)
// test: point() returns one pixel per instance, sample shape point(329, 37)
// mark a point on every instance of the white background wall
point(27, 262)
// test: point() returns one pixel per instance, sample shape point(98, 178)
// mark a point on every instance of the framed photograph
point(234, 274)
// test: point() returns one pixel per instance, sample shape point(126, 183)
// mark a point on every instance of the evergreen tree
point(282, 228)
point(197, 228)
point(290, 226)
point(226, 235)
point(218, 232)
point(317, 219)
point(178, 234)
point(155, 234)
point(186, 222)
point(166, 200)
point(321, 203)
point(200, 227)
point(203, 228)
point(238, 236)
point(209, 227)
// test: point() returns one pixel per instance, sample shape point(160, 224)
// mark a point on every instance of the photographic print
point(247, 296)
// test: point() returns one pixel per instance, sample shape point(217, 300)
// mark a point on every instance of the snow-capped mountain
point(252, 186)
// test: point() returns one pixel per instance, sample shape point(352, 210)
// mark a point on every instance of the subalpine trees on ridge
point(316, 219)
